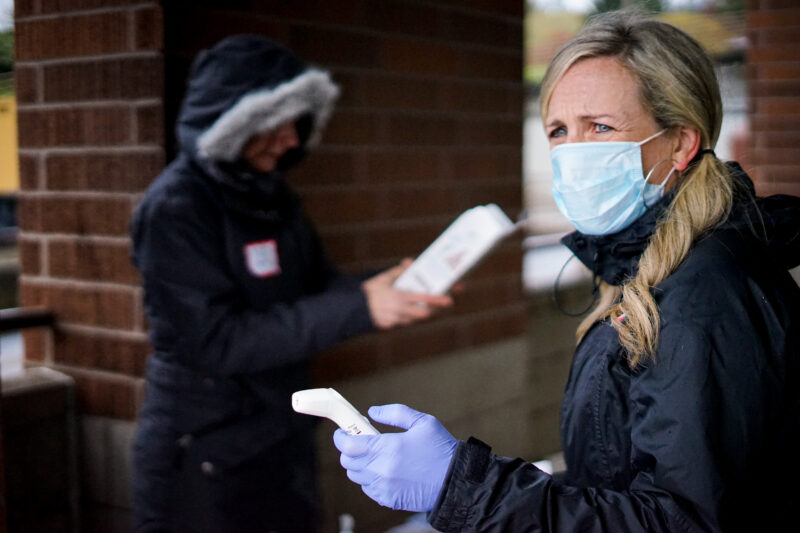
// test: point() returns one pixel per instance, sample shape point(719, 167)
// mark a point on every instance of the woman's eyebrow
point(600, 116)
point(583, 118)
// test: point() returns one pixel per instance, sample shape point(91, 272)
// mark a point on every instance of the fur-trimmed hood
point(245, 85)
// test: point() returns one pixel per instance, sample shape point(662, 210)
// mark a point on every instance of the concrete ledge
point(106, 446)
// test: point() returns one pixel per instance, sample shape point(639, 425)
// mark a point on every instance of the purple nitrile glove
point(399, 470)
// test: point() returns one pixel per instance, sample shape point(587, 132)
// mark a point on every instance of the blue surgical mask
point(600, 186)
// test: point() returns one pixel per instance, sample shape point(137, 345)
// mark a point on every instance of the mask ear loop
point(662, 184)
point(640, 143)
point(557, 301)
point(653, 136)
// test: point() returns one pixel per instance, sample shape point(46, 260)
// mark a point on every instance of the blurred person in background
point(682, 407)
point(239, 296)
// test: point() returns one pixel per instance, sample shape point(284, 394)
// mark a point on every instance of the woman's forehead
point(593, 87)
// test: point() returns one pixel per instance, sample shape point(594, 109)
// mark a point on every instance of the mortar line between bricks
point(401, 185)
point(85, 12)
point(77, 284)
point(466, 46)
point(94, 150)
point(413, 76)
point(395, 148)
point(503, 116)
point(468, 10)
point(98, 331)
point(771, 167)
point(440, 149)
point(362, 228)
point(89, 59)
point(118, 377)
point(90, 104)
point(82, 195)
point(60, 238)
point(81, 239)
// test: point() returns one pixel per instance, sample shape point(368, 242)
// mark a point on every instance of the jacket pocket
point(220, 448)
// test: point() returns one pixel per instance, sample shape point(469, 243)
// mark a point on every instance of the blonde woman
point(682, 409)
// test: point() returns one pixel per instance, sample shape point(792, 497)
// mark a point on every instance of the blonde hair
point(678, 86)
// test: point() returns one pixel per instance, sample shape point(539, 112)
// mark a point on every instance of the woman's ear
point(687, 144)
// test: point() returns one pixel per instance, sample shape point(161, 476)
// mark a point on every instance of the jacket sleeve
point(489, 493)
point(692, 441)
point(195, 312)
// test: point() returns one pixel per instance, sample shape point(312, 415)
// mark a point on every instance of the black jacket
point(239, 296)
point(704, 439)
point(238, 293)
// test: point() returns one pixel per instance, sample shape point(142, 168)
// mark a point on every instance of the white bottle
point(346, 523)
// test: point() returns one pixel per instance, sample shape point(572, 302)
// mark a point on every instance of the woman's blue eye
point(558, 132)
point(602, 128)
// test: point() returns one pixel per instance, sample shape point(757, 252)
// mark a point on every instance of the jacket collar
point(265, 196)
point(615, 257)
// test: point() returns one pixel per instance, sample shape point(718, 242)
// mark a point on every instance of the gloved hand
point(399, 470)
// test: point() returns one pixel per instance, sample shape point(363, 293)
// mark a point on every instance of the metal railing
point(17, 318)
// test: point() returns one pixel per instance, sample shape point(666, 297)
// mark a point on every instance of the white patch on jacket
point(262, 258)
point(310, 92)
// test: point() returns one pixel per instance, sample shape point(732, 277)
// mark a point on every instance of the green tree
point(732, 6)
point(6, 51)
point(653, 6)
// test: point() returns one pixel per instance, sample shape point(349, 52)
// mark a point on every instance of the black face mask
point(243, 169)
point(303, 126)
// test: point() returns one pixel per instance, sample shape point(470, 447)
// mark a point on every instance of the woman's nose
point(576, 137)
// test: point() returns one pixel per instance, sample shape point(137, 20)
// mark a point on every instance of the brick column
point(90, 89)
point(89, 84)
point(773, 71)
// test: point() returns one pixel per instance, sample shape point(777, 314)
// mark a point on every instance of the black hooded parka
point(239, 296)
point(704, 438)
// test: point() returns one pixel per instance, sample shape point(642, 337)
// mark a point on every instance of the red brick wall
point(429, 124)
point(89, 84)
point(774, 86)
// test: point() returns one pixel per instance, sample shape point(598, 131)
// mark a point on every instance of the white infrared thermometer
point(328, 403)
